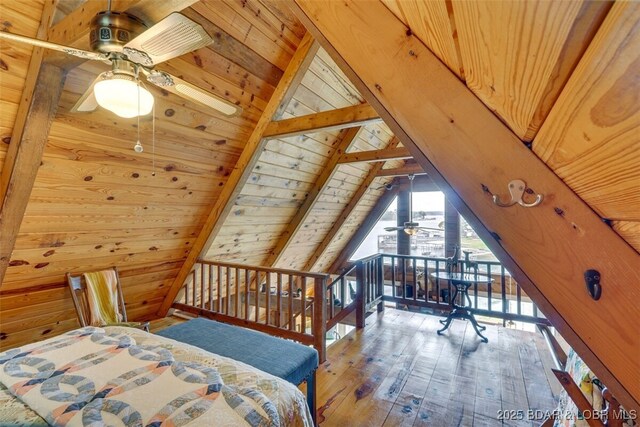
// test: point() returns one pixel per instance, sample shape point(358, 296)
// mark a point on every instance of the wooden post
point(380, 281)
point(404, 240)
point(320, 317)
point(360, 297)
point(451, 228)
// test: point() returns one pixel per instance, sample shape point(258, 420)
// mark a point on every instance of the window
point(471, 242)
point(428, 210)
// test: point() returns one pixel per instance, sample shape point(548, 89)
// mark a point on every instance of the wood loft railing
point(411, 280)
point(272, 300)
point(284, 303)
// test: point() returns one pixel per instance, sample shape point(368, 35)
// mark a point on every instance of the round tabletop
point(462, 277)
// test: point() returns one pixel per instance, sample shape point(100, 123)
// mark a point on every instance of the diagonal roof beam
point(342, 118)
point(291, 78)
point(547, 248)
point(285, 239)
point(346, 212)
point(399, 153)
point(37, 108)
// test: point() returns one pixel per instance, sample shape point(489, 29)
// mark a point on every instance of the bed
point(125, 376)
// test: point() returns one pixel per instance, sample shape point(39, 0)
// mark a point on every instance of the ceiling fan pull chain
point(138, 147)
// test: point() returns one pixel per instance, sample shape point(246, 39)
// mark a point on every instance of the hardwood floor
point(399, 372)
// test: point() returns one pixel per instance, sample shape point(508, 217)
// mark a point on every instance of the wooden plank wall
point(14, 62)
point(96, 203)
point(287, 170)
point(595, 149)
point(515, 56)
point(284, 173)
point(522, 59)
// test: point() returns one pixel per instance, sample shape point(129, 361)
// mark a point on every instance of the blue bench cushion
point(285, 359)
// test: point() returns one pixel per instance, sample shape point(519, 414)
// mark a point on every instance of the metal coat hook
point(517, 188)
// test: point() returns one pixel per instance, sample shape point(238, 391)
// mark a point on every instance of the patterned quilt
point(125, 376)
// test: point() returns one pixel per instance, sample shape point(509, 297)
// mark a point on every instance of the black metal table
point(462, 282)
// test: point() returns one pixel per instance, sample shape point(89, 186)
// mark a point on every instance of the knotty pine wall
point(95, 202)
point(552, 73)
point(287, 170)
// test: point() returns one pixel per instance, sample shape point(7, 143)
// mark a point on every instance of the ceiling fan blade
point(393, 228)
point(191, 92)
point(87, 101)
point(175, 35)
point(85, 54)
point(429, 228)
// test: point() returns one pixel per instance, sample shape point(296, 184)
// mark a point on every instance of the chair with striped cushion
point(97, 297)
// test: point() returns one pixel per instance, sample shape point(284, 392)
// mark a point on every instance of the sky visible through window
point(428, 210)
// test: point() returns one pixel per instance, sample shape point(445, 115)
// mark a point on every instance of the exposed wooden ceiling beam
point(547, 248)
point(399, 153)
point(73, 30)
point(36, 111)
point(348, 139)
point(342, 118)
point(421, 183)
point(299, 64)
point(346, 212)
point(407, 169)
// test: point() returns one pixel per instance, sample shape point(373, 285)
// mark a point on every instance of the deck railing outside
point(272, 300)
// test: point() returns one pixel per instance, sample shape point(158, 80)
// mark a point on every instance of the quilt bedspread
point(124, 376)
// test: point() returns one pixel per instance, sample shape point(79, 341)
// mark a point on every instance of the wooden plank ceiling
point(95, 202)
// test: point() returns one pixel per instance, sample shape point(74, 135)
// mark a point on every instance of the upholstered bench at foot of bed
point(284, 359)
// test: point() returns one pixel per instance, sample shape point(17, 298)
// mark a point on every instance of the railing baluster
point(303, 302)
point(236, 295)
point(331, 304)
point(247, 294)
point(404, 278)
point(343, 292)
point(503, 291)
point(437, 282)
point(425, 279)
point(219, 290)
point(291, 294)
point(279, 299)
point(415, 279)
point(228, 296)
point(518, 298)
point(201, 285)
point(393, 276)
point(268, 296)
point(193, 289)
point(489, 306)
point(258, 292)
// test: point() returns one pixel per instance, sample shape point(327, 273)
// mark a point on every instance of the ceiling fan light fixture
point(411, 231)
point(118, 93)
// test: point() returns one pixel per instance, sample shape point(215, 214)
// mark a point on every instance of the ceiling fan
point(123, 41)
point(410, 227)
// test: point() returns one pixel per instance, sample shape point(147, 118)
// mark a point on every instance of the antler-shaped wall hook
point(517, 188)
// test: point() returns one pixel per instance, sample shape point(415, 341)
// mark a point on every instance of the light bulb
point(119, 94)
point(411, 231)
point(138, 147)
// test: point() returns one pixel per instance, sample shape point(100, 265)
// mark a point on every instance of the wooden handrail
point(272, 300)
point(266, 269)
